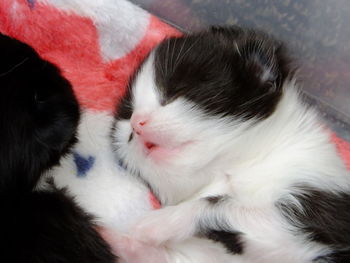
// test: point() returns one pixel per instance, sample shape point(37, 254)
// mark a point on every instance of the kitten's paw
point(130, 250)
point(152, 232)
point(161, 226)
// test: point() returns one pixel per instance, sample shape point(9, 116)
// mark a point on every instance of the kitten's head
point(38, 115)
point(195, 93)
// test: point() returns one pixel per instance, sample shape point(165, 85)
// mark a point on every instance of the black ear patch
point(227, 71)
point(261, 65)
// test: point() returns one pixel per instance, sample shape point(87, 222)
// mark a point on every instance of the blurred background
point(316, 31)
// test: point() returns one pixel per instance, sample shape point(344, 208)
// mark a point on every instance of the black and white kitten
point(38, 119)
point(214, 123)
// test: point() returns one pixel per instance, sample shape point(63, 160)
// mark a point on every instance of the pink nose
point(138, 120)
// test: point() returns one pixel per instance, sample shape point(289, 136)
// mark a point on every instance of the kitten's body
point(39, 116)
point(215, 124)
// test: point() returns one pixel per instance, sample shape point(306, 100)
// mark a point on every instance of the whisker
point(185, 53)
point(172, 55)
point(236, 46)
point(254, 100)
point(14, 67)
point(178, 55)
point(167, 58)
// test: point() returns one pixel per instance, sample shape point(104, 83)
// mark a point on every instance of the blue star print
point(83, 164)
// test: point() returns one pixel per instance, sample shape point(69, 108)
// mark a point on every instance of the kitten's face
point(157, 134)
point(194, 94)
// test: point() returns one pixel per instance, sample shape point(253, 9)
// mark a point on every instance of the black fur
point(230, 240)
point(222, 233)
point(39, 116)
point(49, 227)
point(227, 71)
point(325, 218)
point(124, 107)
point(38, 119)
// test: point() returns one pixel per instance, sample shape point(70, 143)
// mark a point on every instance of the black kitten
point(38, 119)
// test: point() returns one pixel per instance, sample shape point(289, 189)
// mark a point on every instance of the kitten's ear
point(264, 61)
point(260, 58)
point(263, 69)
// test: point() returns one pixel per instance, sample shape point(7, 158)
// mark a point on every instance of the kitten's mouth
point(162, 153)
point(150, 145)
point(162, 149)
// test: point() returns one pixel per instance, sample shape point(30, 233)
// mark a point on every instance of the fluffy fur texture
point(105, 190)
point(214, 122)
point(38, 121)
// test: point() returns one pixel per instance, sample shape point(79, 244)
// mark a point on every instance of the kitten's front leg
point(172, 223)
point(129, 250)
point(180, 222)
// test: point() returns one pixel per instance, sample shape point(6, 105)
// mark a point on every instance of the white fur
point(120, 24)
point(108, 192)
point(117, 199)
point(189, 251)
point(255, 163)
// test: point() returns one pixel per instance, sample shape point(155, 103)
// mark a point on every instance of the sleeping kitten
point(39, 115)
point(214, 123)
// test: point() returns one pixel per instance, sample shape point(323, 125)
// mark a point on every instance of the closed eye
point(125, 110)
point(131, 136)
